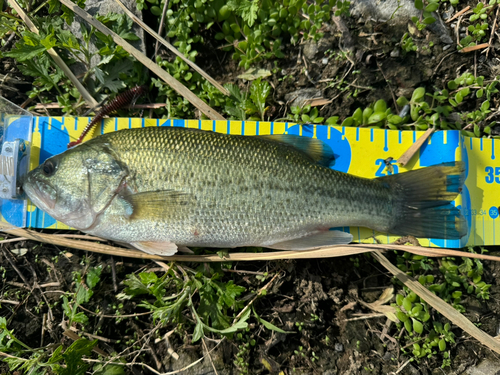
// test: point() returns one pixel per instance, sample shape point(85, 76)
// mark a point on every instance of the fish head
point(76, 186)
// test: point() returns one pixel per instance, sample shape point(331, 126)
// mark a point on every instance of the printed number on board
point(384, 169)
point(492, 175)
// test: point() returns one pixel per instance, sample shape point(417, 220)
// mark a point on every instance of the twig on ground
point(255, 297)
point(209, 356)
point(474, 48)
point(13, 240)
point(492, 32)
point(406, 157)
point(113, 275)
point(458, 14)
point(364, 316)
point(9, 302)
point(160, 29)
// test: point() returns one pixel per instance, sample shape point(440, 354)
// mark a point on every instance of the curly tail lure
point(119, 102)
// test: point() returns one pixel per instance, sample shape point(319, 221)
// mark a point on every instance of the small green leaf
point(432, 7)
point(408, 326)
point(402, 101)
point(442, 345)
point(358, 116)
point(452, 85)
point(332, 121)
point(109, 369)
point(94, 276)
point(429, 20)
point(73, 357)
point(377, 117)
point(485, 106)
point(156, 10)
point(271, 327)
point(380, 106)
point(418, 327)
point(366, 114)
point(412, 296)
point(419, 4)
point(348, 121)
point(465, 91)
point(198, 331)
point(477, 131)
point(407, 305)
point(417, 308)
point(394, 119)
point(402, 316)
point(418, 94)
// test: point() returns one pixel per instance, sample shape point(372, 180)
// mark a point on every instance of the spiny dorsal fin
point(317, 150)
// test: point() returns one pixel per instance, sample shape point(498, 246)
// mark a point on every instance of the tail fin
point(424, 197)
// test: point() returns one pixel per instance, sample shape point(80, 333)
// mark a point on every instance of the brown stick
point(406, 157)
point(458, 14)
point(474, 48)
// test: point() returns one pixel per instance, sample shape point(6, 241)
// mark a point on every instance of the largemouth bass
point(158, 188)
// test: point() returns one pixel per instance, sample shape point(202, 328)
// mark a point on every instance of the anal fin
point(156, 248)
point(314, 241)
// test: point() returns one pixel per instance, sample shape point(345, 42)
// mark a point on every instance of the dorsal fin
point(317, 150)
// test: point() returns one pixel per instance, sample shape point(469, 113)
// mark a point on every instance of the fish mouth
point(41, 193)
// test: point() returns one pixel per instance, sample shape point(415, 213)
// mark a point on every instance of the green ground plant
point(426, 334)
point(115, 71)
point(82, 294)
point(56, 360)
point(453, 108)
point(198, 299)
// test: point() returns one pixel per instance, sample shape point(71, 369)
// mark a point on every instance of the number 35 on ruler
point(492, 175)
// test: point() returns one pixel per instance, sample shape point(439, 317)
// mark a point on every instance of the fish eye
point(48, 168)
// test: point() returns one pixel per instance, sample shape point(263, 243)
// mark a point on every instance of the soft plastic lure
point(119, 102)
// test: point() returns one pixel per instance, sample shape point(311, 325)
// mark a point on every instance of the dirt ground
point(318, 300)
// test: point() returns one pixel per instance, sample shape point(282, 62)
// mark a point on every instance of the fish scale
point(198, 188)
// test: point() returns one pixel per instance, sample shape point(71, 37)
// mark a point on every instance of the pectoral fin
point(162, 204)
point(316, 149)
point(156, 248)
point(314, 241)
